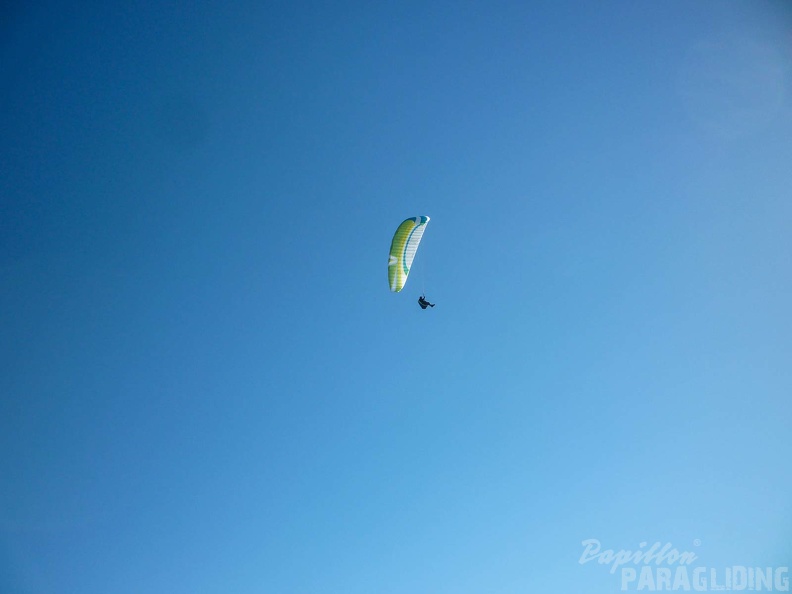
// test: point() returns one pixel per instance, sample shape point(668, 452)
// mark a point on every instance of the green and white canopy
point(403, 247)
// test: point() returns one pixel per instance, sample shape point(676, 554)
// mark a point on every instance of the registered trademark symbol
point(696, 542)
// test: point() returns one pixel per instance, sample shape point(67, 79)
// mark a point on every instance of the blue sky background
point(206, 385)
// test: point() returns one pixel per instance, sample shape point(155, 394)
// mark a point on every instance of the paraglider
point(402, 253)
point(424, 303)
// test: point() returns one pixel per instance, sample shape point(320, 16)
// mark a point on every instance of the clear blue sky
point(206, 386)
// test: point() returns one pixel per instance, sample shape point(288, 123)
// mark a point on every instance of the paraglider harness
point(424, 303)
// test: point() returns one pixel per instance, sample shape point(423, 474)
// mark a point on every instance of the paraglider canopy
point(402, 251)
